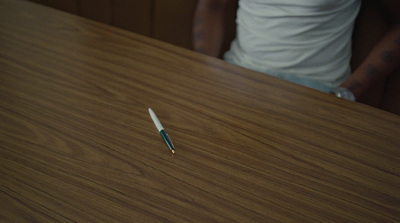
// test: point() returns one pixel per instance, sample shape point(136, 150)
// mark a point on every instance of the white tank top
point(307, 38)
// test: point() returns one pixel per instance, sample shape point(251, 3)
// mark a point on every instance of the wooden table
point(77, 143)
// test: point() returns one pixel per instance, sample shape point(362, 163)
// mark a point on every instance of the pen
point(160, 128)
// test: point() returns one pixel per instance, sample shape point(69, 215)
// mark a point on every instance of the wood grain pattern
point(78, 145)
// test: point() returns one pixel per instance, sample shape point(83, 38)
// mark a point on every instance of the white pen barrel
point(155, 120)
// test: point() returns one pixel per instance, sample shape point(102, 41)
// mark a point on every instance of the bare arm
point(382, 60)
point(208, 26)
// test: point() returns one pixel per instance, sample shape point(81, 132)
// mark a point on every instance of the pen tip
point(173, 151)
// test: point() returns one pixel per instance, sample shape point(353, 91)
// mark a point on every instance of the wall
point(166, 20)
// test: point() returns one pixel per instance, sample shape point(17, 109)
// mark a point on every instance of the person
point(303, 41)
